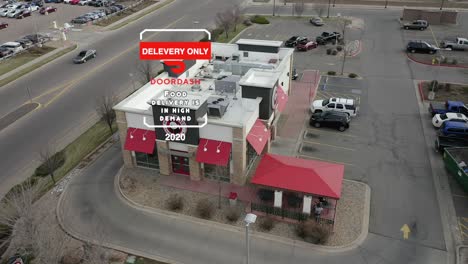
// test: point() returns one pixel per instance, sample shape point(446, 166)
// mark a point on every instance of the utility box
point(232, 198)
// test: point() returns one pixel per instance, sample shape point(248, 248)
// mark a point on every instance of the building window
point(246, 54)
point(147, 160)
point(215, 172)
point(251, 156)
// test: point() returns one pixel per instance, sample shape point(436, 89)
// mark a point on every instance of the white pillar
point(54, 24)
point(278, 199)
point(307, 204)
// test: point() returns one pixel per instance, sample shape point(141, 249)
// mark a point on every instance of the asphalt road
point(90, 201)
point(68, 92)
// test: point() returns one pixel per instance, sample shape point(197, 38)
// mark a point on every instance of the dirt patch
point(444, 92)
point(144, 189)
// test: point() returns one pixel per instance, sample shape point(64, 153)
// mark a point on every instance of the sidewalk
point(36, 61)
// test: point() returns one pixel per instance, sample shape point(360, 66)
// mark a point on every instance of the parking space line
point(328, 145)
point(327, 160)
point(342, 134)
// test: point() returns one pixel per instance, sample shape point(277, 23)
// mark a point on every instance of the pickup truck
point(326, 37)
point(443, 142)
point(455, 44)
point(416, 24)
point(447, 107)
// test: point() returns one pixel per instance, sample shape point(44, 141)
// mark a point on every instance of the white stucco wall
point(220, 133)
point(136, 120)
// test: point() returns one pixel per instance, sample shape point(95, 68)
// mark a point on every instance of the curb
point(35, 61)
point(328, 249)
point(240, 33)
point(421, 94)
point(435, 65)
point(369, 7)
point(459, 260)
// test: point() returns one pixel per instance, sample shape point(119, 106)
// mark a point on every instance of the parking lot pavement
point(18, 28)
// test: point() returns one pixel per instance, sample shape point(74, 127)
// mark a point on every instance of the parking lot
point(18, 28)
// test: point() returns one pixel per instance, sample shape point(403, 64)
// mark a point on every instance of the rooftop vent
point(196, 87)
point(217, 107)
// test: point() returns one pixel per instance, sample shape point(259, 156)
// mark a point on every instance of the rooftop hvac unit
point(228, 84)
point(217, 106)
point(196, 88)
point(217, 66)
point(235, 56)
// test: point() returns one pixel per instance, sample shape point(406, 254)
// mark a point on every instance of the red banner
point(175, 50)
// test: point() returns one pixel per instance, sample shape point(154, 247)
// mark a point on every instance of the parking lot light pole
point(334, 3)
point(386, 3)
point(328, 12)
point(274, 7)
point(249, 219)
point(442, 4)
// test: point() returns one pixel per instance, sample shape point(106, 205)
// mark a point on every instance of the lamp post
point(334, 3)
point(328, 11)
point(249, 219)
point(386, 3)
point(274, 7)
point(442, 4)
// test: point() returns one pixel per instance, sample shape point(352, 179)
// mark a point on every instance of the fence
point(287, 213)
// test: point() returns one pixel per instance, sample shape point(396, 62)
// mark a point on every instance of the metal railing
point(288, 213)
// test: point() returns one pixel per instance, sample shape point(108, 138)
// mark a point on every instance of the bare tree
point(145, 70)
point(299, 8)
point(16, 217)
point(237, 16)
point(50, 243)
point(105, 111)
point(51, 161)
point(224, 20)
point(319, 9)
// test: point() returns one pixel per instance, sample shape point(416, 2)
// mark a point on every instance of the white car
point(335, 104)
point(14, 12)
point(32, 8)
point(439, 119)
point(84, 2)
point(66, 1)
point(5, 12)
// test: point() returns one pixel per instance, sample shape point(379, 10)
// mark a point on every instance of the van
point(454, 129)
point(13, 46)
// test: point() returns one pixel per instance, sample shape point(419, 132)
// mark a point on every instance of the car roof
point(342, 100)
point(336, 113)
point(455, 115)
point(11, 43)
point(454, 124)
point(456, 103)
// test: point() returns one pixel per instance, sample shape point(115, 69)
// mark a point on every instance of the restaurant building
point(214, 127)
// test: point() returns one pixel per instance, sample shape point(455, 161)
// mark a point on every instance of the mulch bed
point(450, 59)
point(455, 92)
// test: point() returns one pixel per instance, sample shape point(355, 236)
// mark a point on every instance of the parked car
point(454, 129)
point(83, 2)
point(74, 2)
point(421, 47)
point(40, 3)
point(100, 13)
point(316, 21)
point(94, 16)
point(307, 46)
point(14, 46)
point(4, 52)
point(455, 44)
point(38, 38)
point(114, 9)
point(343, 105)
point(443, 142)
point(23, 14)
point(328, 37)
point(333, 119)
point(25, 43)
point(3, 25)
point(294, 40)
point(416, 24)
point(81, 20)
point(14, 13)
point(48, 9)
point(84, 56)
point(447, 107)
point(5, 12)
point(66, 1)
point(439, 119)
point(119, 6)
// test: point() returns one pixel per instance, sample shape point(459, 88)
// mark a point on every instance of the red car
point(74, 2)
point(3, 25)
point(23, 14)
point(307, 46)
point(48, 9)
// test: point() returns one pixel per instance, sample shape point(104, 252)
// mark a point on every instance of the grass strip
point(31, 68)
point(20, 59)
point(231, 34)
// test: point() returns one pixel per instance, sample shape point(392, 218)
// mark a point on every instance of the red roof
point(300, 175)
point(258, 136)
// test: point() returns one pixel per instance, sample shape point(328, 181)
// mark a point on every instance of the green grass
point(27, 56)
point(140, 260)
point(232, 34)
point(82, 146)
point(35, 66)
point(142, 6)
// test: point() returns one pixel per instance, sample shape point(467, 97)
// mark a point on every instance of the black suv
point(420, 47)
point(327, 37)
point(295, 40)
point(333, 119)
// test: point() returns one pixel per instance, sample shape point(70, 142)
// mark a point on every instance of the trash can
point(232, 198)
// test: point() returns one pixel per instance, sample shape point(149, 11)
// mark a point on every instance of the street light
point(328, 12)
point(386, 3)
point(442, 4)
point(249, 219)
point(274, 7)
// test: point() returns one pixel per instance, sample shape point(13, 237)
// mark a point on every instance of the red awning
point(301, 175)
point(213, 152)
point(258, 136)
point(282, 99)
point(140, 140)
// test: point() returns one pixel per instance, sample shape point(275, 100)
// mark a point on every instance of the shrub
point(247, 22)
point(448, 87)
point(444, 60)
point(334, 52)
point(205, 209)
point(329, 51)
point(267, 223)
point(352, 75)
point(454, 61)
point(339, 48)
point(31, 181)
point(313, 232)
point(175, 202)
point(259, 20)
point(216, 32)
point(266, 195)
point(43, 171)
point(331, 73)
point(232, 215)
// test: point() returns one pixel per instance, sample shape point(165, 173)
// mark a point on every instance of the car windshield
point(325, 102)
point(443, 116)
point(82, 54)
point(293, 38)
